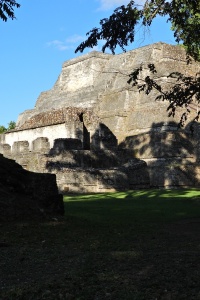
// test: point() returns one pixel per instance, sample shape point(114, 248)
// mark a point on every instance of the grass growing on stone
point(124, 245)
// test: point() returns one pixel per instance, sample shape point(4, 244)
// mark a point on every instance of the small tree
point(2, 129)
point(11, 125)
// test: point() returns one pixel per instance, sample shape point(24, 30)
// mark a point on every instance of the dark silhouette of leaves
point(7, 9)
point(117, 30)
point(184, 92)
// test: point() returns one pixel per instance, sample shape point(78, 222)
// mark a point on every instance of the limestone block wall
point(102, 180)
point(41, 144)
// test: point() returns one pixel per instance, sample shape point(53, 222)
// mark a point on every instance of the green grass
point(137, 245)
point(103, 218)
point(144, 207)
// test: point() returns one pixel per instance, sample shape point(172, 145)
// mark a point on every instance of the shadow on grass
point(125, 210)
point(137, 245)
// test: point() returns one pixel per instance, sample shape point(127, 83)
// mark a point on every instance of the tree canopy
point(7, 9)
point(119, 28)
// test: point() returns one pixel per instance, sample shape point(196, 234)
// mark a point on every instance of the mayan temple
point(98, 133)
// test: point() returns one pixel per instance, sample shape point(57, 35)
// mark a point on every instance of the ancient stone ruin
point(98, 133)
point(27, 195)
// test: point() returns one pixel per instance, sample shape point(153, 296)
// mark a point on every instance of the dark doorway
point(86, 135)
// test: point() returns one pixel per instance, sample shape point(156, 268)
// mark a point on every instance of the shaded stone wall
point(89, 171)
point(101, 168)
point(26, 195)
point(163, 157)
point(171, 154)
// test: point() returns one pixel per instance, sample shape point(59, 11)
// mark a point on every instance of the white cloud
point(112, 4)
point(60, 45)
point(69, 43)
point(74, 39)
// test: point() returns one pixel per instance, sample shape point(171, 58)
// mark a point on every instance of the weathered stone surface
point(103, 180)
point(99, 81)
point(57, 116)
point(41, 144)
point(26, 195)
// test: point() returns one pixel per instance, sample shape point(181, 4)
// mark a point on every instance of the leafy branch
point(118, 29)
point(7, 9)
point(184, 92)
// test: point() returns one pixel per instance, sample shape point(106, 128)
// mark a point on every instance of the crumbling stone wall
point(27, 195)
point(56, 116)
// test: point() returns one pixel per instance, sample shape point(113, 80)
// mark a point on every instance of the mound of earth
point(25, 195)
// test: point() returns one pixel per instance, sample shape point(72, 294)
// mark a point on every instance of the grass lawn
point(124, 245)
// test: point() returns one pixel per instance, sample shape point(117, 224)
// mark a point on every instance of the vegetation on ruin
point(125, 245)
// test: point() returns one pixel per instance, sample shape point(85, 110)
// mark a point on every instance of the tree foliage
point(7, 9)
point(11, 125)
point(185, 18)
point(119, 28)
point(2, 129)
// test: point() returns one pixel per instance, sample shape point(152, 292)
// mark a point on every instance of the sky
point(46, 33)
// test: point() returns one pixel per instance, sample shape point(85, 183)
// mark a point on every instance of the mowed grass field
point(125, 245)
